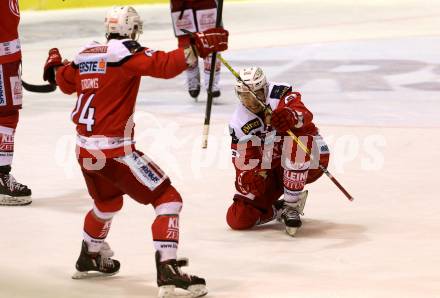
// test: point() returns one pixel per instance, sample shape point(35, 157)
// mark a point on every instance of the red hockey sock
point(165, 230)
point(95, 231)
point(294, 182)
point(6, 145)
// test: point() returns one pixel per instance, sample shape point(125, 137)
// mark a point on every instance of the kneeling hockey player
point(268, 162)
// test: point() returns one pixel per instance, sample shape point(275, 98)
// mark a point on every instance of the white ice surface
point(370, 72)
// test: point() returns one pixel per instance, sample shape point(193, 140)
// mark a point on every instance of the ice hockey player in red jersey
point(196, 15)
point(106, 78)
point(268, 163)
point(11, 95)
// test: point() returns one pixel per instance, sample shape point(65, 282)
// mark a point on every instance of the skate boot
point(170, 277)
point(289, 213)
point(193, 81)
point(96, 264)
point(215, 91)
point(13, 193)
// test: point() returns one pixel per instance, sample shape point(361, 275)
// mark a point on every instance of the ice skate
point(289, 213)
point(291, 219)
point(96, 264)
point(215, 91)
point(13, 193)
point(193, 81)
point(170, 278)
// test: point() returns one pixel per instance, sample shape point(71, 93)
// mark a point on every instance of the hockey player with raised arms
point(268, 163)
point(106, 79)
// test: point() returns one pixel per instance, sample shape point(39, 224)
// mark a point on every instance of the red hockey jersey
point(256, 145)
point(10, 50)
point(106, 79)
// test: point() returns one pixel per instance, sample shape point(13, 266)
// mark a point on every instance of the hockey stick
point(218, 23)
point(268, 110)
point(39, 88)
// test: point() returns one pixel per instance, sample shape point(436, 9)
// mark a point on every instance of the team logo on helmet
point(13, 6)
point(258, 73)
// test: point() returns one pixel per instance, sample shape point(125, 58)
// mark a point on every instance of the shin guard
point(96, 227)
point(165, 230)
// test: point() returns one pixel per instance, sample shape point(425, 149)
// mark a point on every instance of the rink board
point(63, 4)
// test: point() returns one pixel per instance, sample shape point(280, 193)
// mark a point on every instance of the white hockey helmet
point(255, 79)
point(123, 21)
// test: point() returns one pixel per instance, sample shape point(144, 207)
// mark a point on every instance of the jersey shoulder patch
point(251, 125)
point(132, 45)
point(278, 91)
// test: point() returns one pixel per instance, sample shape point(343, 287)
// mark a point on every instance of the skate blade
point(193, 291)
point(91, 274)
point(291, 231)
point(15, 201)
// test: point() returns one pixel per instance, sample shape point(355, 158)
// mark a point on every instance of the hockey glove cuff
point(190, 56)
point(53, 60)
